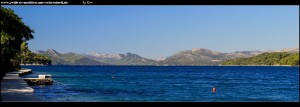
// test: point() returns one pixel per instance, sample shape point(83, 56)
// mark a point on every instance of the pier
point(25, 71)
point(14, 88)
point(42, 80)
point(38, 81)
point(20, 72)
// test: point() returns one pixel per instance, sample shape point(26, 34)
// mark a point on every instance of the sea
point(168, 83)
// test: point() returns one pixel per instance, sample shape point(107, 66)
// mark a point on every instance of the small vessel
point(48, 76)
point(42, 80)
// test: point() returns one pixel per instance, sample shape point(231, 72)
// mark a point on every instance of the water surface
point(168, 83)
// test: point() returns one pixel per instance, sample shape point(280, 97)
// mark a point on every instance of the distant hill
point(267, 58)
point(120, 59)
point(68, 58)
point(288, 50)
point(194, 57)
point(201, 56)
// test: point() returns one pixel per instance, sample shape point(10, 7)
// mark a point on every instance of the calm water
point(181, 83)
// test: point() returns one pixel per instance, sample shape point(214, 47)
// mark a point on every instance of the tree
point(273, 58)
point(28, 57)
point(13, 33)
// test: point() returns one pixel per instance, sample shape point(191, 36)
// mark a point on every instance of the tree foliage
point(28, 57)
point(273, 58)
point(13, 33)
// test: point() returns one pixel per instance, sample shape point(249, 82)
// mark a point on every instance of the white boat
point(44, 76)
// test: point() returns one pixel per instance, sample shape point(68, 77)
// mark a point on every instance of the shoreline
point(15, 89)
point(263, 65)
point(163, 65)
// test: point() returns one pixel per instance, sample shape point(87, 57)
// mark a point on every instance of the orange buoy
point(214, 89)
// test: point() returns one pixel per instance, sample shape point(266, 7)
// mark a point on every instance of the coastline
point(15, 89)
point(262, 65)
point(164, 65)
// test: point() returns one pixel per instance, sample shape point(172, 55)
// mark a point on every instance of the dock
point(25, 71)
point(38, 81)
point(42, 80)
point(15, 89)
point(20, 72)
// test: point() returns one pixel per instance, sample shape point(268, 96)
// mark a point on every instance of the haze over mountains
point(196, 56)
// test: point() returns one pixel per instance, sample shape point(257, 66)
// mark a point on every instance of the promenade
point(15, 89)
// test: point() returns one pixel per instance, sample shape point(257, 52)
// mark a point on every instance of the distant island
point(193, 57)
point(271, 59)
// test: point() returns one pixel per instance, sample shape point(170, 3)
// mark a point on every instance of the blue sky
point(152, 31)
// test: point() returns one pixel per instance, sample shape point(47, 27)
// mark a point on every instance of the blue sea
point(168, 83)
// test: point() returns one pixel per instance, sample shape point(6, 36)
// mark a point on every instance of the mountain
point(120, 59)
point(159, 58)
point(202, 56)
point(196, 56)
point(68, 58)
point(267, 58)
point(288, 50)
point(108, 58)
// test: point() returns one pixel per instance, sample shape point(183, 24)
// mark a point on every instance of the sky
point(153, 31)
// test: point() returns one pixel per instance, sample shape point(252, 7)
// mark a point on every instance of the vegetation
point(273, 58)
point(28, 57)
point(76, 59)
point(13, 33)
point(68, 58)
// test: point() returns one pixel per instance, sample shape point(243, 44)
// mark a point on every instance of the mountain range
point(120, 59)
point(196, 56)
point(68, 58)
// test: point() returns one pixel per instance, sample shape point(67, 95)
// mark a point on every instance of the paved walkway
point(14, 88)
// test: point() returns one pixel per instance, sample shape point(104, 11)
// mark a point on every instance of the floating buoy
point(214, 89)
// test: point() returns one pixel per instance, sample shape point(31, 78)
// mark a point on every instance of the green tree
point(13, 33)
point(28, 57)
point(273, 58)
